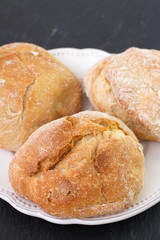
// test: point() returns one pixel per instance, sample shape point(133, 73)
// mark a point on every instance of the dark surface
point(106, 24)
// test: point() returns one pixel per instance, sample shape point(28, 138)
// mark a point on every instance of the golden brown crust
point(35, 88)
point(85, 165)
point(126, 85)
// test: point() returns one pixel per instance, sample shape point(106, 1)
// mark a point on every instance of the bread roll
point(85, 165)
point(35, 88)
point(127, 86)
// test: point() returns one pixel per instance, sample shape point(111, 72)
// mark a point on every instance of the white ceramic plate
point(79, 61)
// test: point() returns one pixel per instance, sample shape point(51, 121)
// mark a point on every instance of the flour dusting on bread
point(35, 88)
point(84, 165)
point(126, 85)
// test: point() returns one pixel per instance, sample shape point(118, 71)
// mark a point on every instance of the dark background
point(105, 24)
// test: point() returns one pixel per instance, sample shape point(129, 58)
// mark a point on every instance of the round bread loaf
point(127, 86)
point(35, 88)
point(84, 165)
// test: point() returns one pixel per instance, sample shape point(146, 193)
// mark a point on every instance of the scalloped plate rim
point(43, 215)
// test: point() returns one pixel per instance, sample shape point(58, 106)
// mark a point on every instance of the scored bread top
point(35, 88)
point(84, 165)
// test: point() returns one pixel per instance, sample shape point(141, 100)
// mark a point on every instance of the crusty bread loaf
point(127, 86)
point(84, 165)
point(35, 88)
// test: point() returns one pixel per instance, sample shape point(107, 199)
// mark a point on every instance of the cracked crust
point(35, 88)
point(84, 165)
point(126, 86)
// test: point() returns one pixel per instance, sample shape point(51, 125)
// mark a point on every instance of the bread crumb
point(2, 80)
point(34, 53)
point(140, 149)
